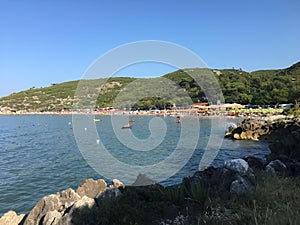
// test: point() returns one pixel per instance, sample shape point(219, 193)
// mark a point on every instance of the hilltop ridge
point(261, 87)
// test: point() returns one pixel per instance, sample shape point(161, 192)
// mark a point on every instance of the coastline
point(216, 195)
point(171, 113)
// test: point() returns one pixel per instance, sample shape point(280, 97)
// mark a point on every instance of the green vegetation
point(198, 193)
point(275, 201)
point(295, 111)
point(151, 103)
point(263, 87)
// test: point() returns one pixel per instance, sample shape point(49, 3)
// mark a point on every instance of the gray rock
point(56, 202)
point(108, 194)
point(91, 188)
point(46, 204)
point(237, 165)
point(11, 218)
point(241, 186)
point(52, 218)
point(276, 167)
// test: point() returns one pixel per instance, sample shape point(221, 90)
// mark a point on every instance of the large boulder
point(276, 167)
point(237, 165)
point(91, 188)
point(11, 218)
point(244, 182)
point(235, 178)
point(46, 204)
point(52, 203)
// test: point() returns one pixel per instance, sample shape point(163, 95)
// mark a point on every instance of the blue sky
point(44, 42)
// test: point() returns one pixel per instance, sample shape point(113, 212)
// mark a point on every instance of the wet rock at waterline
point(253, 129)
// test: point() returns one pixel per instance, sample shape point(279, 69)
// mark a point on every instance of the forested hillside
point(263, 87)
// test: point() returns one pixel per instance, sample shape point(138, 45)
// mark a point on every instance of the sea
point(45, 154)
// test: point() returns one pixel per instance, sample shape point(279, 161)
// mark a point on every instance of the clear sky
point(51, 41)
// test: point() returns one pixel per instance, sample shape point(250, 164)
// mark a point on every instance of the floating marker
point(85, 129)
point(97, 141)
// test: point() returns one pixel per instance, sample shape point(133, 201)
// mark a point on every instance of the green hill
point(259, 87)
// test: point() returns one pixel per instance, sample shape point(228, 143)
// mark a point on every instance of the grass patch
point(275, 201)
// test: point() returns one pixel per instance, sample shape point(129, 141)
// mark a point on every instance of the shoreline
point(176, 114)
point(236, 178)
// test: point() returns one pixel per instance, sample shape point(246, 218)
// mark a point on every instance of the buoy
point(97, 141)
point(85, 129)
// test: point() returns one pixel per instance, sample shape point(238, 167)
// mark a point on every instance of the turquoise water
point(39, 154)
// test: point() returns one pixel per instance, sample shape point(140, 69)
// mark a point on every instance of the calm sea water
point(39, 154)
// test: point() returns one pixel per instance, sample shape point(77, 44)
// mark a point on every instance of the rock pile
point(60, 208)
point(235, 178)
point(249, 130)
point(253, 129)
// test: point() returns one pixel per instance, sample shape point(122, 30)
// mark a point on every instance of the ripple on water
point(39, 155)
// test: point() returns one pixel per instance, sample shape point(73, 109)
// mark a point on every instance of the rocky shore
point(93, 198)
point(61, 208)
point(212, 196)
point(254, 129)
point(235, 178)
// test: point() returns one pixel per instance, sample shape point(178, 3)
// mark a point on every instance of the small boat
point(131, 121)
point(126, 126)
point(96, 120)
